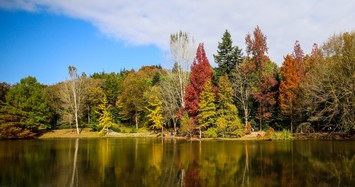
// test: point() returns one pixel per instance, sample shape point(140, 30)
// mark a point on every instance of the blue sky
point(43, 45)
point(42, 38)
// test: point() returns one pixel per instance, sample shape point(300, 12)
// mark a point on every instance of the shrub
point(269, 133)
point(248, 128)
point(211, 133)
point(115, 127)
point(305, 127)
point(133, 130)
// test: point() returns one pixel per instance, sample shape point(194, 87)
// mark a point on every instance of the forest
point(245, 92)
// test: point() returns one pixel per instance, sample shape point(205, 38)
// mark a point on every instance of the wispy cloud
point(143, 22)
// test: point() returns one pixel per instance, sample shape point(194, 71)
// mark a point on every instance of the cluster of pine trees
point(310, 92)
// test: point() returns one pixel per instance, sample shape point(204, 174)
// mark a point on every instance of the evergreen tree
point(207, 107)
point(228, 56)
point(227, 112)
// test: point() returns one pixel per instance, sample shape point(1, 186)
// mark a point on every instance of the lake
point(156, 162)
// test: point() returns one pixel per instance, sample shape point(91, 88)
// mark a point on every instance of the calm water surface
point(153, 162)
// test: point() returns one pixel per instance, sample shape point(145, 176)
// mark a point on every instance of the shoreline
point(87, 133)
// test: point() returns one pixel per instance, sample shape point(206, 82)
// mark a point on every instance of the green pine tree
point(228, 56)
point(207, 107)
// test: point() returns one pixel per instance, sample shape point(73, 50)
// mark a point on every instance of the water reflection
point(156, 162)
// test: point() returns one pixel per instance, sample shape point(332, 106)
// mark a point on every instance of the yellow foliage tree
point(154, 107)
point(105, 119)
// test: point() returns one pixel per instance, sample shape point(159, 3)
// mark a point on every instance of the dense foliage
point(243, 92)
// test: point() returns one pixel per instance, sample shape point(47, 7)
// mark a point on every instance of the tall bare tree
point(72, 96)
point(242, 83)
point(182, 51)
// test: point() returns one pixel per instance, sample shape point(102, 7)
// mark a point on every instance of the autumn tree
point(25, 110)
point(170, 101)
point(264, 74)
point(328, 90)
point(242, 82)
point(131, 102)
point(289, 87)
point(298, 55)
point(154, 107)
point(228, 56)
point(201, 72)
point(207, 108)
point(105, 119)
point(94, 96)
point(227, 112)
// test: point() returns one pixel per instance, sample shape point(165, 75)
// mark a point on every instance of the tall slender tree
point(105, 118)
point(289, 87)
point(182, 52)
point(298, 55)
point(264, 70)
point(72, 95)
point(207, 108)
point(154, 107)
point(201, 72)
point(227, 112)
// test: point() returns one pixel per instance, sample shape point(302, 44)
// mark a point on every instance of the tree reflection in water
point(157, 162)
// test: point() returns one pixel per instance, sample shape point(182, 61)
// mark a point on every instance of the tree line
point(246, 91)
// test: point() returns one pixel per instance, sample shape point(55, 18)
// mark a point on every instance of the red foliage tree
point(264, 74)
point(298, 55)
point(257, 48)
point(201, 71)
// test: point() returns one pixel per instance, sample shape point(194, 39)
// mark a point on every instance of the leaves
point(201, 72)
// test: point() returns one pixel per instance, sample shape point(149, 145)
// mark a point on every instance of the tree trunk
point(76, 112)
point(200, 132)
point(136, 119)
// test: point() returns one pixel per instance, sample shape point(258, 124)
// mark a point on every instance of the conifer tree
point(227, 112)
point(207, 107)
point(289, 86)
point(201, 72)
point(228, 56)
point(105, 119)
point(154, 107)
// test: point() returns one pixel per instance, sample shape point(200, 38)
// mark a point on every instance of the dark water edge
point(157, 162)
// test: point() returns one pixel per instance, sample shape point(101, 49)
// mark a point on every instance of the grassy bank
point(143, 132)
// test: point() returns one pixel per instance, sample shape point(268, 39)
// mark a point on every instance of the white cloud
point(142, 22)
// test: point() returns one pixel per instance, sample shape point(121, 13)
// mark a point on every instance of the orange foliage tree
point(289, 85)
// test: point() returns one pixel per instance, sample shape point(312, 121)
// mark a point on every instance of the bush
point(237, 133)
point(248, 128)
point(211, 133)
point(284, 135)
point(133, 130)
point(115, 127)
point(269, 133)
point(305, 127)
